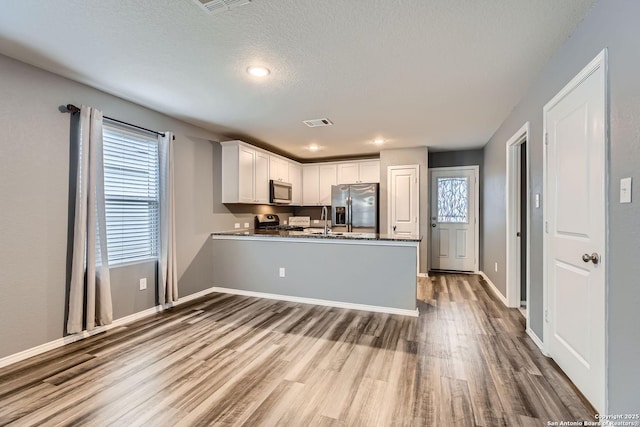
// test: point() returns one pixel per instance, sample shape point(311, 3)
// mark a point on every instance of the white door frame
point(476, 228)
point(389, 198)
point(513, 193)
point(597, 62)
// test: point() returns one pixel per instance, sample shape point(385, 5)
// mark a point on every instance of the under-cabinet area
point(247, 171)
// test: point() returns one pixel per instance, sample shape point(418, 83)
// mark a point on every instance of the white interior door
point(575, 231)
point(454, 225)
point(403, 199)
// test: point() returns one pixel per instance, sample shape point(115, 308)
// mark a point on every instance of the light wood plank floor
point(232, 360)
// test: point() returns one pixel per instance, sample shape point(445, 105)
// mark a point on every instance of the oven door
point(280, 192)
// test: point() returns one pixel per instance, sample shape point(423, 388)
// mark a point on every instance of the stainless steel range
point(271, 222)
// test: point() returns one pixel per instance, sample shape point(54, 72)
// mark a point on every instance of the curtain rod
point(73, 109)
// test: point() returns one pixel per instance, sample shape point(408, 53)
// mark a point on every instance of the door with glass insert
point(453, 219)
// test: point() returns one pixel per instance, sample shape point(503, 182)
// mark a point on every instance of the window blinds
point(131, 192)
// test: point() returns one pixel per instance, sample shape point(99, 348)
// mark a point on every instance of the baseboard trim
point(189, 298)
point(494, 289)
point(51, 345)
point(423, 274)
point(314, 301)
point(537, 341)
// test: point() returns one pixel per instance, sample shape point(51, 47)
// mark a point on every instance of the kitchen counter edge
point(371, 237)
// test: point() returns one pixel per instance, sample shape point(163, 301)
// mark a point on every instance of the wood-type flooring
point(233, 360)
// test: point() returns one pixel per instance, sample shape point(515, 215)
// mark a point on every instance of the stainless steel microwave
point(280, 192)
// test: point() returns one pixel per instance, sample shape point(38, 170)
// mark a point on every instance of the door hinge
point(546, 316)
point(546, 138)
point(546, 226)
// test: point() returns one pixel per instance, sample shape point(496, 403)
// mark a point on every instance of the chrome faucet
point(324, 216)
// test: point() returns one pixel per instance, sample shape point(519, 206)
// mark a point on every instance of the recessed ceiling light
point(313, 147)
point(378, 141)
point(258, 71)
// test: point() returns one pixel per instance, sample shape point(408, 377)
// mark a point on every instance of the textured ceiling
point(440, 73)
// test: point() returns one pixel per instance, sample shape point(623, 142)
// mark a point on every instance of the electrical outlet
point(143, 284)
point(236, 225)
point(281, 271)
point(284, 222)
point(246, 225)
point(316, 221)
point(495, 267)
point(625, 190)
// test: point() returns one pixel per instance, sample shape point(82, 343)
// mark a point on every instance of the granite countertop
point(308, 235)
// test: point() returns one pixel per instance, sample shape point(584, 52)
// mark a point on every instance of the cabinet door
point(348, 173)
point(295, 179)
point(278, 169)
point(310, 185)
point(370, 171)
point(246, 177)
point(261, 174)
point(327, 179)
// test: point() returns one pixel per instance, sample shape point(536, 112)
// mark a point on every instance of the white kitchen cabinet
point(348, 173)
point(245, 174)
point(370, 171)
point(261, 177)
point(326, 180)
point(295, 179)
point(317, 180)
point(359, 172)
point(310, 185)
point(278, 169)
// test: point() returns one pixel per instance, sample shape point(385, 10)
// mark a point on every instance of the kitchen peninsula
point(367, 271)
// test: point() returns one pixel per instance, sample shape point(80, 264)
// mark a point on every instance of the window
point(453, 200)
point(131, 193)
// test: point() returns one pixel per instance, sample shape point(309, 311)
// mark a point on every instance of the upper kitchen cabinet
point(295, 179)
point(245, 173)
point(326, 180)
point(359, 172)
point(278, 169)
point(310, 185)
point(317, 180)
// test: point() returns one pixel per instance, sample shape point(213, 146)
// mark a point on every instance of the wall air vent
point(317, 122)
point(219, 6)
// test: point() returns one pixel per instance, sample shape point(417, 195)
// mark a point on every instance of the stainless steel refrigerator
point(354, 207)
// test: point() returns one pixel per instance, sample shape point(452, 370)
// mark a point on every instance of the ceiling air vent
point(219, 6)
point(317, 122)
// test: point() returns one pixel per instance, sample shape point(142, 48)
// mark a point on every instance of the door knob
point(433, 225)
point(594, 258)
point(394, 228)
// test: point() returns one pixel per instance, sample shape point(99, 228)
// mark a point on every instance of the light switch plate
point(537, 200)
point(143, 284)
point(282, 272)
point(236, 225)
point(625, 190)
point(246, 225)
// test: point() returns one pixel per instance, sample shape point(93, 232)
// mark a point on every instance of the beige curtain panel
point(168, 274)
point(90, 288)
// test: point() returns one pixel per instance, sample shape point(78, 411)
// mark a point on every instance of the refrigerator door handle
point(349, 208)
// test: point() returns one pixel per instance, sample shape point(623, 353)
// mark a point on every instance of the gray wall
point(355, 273)
point(612, 24)
point(408, 156)
point(34, 191)
point(446, 159)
